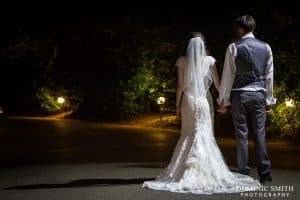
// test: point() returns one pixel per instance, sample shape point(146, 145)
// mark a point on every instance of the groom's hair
point(246, 22)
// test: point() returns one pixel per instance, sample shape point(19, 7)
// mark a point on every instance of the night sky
point(87, 36)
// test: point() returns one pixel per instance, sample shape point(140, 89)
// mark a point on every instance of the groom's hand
point(222, 110)
point(268, 108)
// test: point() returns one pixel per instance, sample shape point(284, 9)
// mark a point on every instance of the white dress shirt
point(229, 71)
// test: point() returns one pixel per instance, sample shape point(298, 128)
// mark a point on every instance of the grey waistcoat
point(251, 62)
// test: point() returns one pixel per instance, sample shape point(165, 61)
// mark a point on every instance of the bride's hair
point(197, 34)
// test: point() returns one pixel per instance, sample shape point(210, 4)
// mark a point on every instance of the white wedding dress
point(197, 165)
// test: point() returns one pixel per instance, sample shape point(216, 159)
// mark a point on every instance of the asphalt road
point(28, 141)
point(78, 160)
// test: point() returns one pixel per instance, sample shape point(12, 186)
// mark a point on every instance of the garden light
point(289, 103)
point(161, 100)
point(61, 100)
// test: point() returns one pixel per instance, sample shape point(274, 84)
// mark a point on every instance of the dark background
point(97, 43)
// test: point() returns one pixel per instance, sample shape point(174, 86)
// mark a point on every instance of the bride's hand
point(222, 109)
point(178, 112)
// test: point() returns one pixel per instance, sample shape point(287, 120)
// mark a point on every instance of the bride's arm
point(216, 80)
point(179, 90)
point(215, 77)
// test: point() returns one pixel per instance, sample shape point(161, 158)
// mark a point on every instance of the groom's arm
point(269, 79)
point(215, 77)
point(228, 76)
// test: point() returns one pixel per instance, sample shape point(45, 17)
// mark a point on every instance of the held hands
point(222, 109)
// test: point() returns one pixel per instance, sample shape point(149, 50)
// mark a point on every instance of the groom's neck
point(244, 34)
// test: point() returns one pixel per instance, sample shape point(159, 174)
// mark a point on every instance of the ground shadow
point(141, 165)
point(82, 183)
point(235, 170)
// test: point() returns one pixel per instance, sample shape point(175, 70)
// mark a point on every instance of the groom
point(247, 86)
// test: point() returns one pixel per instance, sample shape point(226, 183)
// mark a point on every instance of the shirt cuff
point(270, 101)
point(226, 102)
point(219, 101)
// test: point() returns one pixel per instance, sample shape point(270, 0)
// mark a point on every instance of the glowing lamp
point(161, 100)
point(289, 103)
point(61, 100)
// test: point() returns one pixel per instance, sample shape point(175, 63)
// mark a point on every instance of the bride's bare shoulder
point(211, 59)
point(180, 61)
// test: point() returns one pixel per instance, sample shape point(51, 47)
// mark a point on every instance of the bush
point(48, 99)
point(284, 121)
point(154, 76)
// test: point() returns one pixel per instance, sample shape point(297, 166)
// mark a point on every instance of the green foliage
point(287, 70)
point(283, 121)
point(152, 79)
point(154, 76)
point(48, 100)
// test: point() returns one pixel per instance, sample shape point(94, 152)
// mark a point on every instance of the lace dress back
point(197, 165)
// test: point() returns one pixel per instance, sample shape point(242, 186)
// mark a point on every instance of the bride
point(197, 165)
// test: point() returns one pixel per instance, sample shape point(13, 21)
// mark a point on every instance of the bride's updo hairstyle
point(197, 34)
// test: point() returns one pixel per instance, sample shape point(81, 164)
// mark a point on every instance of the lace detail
point(197, 165)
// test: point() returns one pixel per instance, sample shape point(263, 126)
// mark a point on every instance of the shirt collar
point(248, 35)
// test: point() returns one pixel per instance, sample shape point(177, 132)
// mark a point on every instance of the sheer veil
point(197, 164)
point(197, 79)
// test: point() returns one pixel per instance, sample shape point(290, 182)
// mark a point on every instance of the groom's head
point(244, 25)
